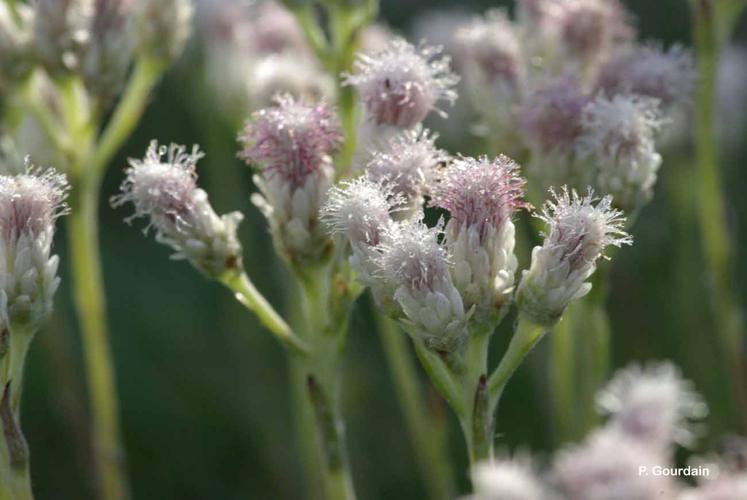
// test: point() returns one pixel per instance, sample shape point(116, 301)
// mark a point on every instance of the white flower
point(578, 231)
point(617, 145)
point(505, 479)
point(164, 27)
point(165, 190)
point(609, 465)
point(62, 30)
point(401, 84)
point(416, 266)
point(481, 196)
point(652, 405)
point(29, 205)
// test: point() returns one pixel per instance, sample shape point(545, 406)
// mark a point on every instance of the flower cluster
point(648, 410)
point(290, 145)
point(163, 187)
point(30, 203)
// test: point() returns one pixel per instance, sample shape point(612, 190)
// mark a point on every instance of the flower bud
point(109, 53)
point(506, 479)
point(578, 232)
point(290, 144)
point(62, 31)
point(163, 187)
point(29, 205)
point(652, 405)
point(481, 196)
point(401, 84)
point(405, 164)
point(164, 27)
point(16, 58)
point(610, 465)
point(417, 267)
point(617, 147)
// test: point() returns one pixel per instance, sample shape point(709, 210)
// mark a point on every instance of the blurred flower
point(401, 84)
point(650, 71)
point(273, 29)
point(726, 486)
point(551, 122)
point(405, 163)
point(16, 52)
point(652, 405)
point(288, 73)
point(29, 205)
point(618, 149)
point(578, 231)
point(164, 27)
point(608, 466)
point(506, 479)
point(290, 144)
point(417, 267)
point(163, 187)
point(732, 96)
point(481, 196)
point(62, 32)
point(110, 52)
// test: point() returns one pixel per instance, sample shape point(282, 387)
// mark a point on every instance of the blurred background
point(205, 406)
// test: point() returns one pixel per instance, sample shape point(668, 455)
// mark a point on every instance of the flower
point(164, 27)
point(163, 187)
point(30, 203)
point(506, 479)
point(401, 84)
point(416, 266)
point(648, 70)
point(288, 72)
point(552, 121)
point(618, 146)
point(405, 163)
point(608, 465)
point(290, 144)
point(652, 404)
point(62, 30)
point(16, 58)
point(481, 196)
point(579, 229)
point(360, 211)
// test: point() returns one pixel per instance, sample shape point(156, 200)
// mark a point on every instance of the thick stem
point(714, 227)
point(88, 291)
point(427, 437)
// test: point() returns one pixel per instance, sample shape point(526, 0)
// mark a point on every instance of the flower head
point(413, 263)
point(291, 140)
point(401, 84)
point(551, 119)
point(29, 205)
point(607, 465)
point(479, 192)
point(405, 163)
point(163, 187)
point(618, 144)
point(579, 229)
point(652, 404)
point(164, 27)
point(61, 33)
point(506, 479)
point(648, 70)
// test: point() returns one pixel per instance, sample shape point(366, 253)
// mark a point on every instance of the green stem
point(248, 295)
point(714, 227)
point(88, 291)
point(526, 336)
point(427, 438)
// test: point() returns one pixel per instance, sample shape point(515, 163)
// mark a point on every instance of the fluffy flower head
point(291, 139)
point(652, 404)
point(480, 192)
point(506, 479)
point(401, 84)
point(589, 27)
point(492, 44)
